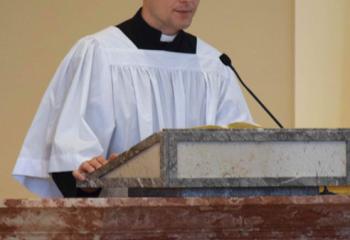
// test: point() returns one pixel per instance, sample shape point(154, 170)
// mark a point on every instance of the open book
point(235, 125)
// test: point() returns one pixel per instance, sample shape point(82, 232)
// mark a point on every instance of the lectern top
point(231, 158)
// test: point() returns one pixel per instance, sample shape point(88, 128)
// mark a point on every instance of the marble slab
point(146, 165)
point(192, 158)
point(177, 218)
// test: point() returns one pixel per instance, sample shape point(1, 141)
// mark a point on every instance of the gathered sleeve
point(74, 122)
point(232, 106)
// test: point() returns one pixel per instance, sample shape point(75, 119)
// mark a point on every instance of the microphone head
point(225, 59)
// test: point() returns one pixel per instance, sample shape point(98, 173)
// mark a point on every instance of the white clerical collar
point(167, 38)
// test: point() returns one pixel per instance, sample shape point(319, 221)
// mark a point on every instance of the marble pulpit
point(208, 184)
point(224, 162)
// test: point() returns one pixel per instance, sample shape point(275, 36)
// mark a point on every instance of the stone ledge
point(177, 218)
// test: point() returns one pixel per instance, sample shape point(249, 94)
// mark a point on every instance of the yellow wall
point(345, 106)
point(322, 63)
point(258, 36)
point(35, 35)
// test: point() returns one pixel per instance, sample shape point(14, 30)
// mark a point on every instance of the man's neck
point(153, 22)
point(147, 37)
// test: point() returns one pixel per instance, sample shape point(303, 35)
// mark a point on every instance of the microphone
point(227, 61)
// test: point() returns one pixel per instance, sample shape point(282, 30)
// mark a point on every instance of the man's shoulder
point(109, 37)
point(205, 49)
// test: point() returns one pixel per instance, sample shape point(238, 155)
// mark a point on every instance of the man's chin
point(184, 25)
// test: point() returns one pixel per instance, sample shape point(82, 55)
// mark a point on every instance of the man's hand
point(91, 166)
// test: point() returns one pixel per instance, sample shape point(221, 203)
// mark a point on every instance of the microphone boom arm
point(227, 61)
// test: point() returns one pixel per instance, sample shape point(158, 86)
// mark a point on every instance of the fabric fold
point(107, 96)
point(65, 132)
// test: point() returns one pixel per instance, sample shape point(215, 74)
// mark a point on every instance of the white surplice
point(107, 95)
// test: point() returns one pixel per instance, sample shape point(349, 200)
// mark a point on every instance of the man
point(120, 85)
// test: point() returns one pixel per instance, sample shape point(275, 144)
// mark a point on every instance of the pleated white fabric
point(107, 95)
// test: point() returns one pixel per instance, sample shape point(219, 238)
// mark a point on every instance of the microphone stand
point(227, 61)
